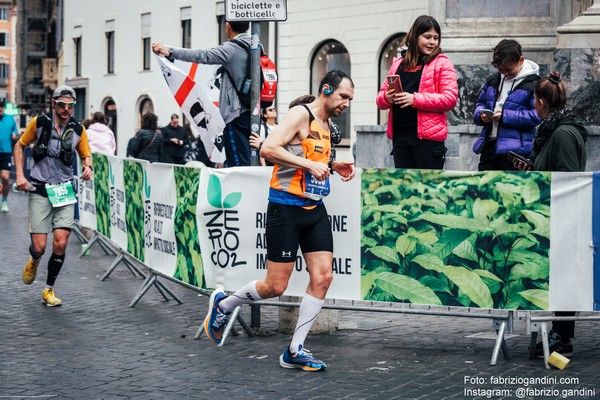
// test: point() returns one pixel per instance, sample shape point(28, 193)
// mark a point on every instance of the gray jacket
point(234, 60)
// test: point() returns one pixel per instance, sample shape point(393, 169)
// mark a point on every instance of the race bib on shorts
point(315, 189)
point(61, 194)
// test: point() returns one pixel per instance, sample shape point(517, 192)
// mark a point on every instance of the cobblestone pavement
point(96, 347)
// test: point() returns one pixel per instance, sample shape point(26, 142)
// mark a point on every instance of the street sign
point(256, 10)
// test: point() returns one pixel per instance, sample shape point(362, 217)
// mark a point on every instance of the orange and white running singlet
point(296, 186)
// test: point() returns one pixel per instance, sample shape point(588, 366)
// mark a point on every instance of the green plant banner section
point(102, 193)
point(189, 258)
point(133, 182)
point(456, 238)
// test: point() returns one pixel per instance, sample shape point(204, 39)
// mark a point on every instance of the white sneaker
point(4, 206)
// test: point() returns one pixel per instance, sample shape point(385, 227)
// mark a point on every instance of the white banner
point(571, 251)
point(118, 226)
point(87, 204)
point(159, 211)
point(232, 206)
point(197, 107)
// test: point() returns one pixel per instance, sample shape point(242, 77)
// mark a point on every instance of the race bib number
point(270, 75)
point(61, 194)
point(315, 189)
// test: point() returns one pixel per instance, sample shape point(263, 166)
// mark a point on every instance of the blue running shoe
point(302, 359)
point(216, 320)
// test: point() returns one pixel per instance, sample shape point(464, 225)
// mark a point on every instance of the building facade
point(105, 48)
point(7, 51)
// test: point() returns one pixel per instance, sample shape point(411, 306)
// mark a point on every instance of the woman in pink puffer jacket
point(417, 121)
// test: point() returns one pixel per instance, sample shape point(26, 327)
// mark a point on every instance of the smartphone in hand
point(489, 113)
point(513, 157)
point(395, 83)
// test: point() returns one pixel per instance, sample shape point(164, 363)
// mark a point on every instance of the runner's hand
point(86, 173)
point(319, 170)
point(345, 169)
point(22, 184)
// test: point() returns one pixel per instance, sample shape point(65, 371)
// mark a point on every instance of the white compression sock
point(309, 310)
point(245, 295)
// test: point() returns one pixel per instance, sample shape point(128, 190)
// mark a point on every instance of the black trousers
point(490, 161)
point(566, 329)
point(424, 154)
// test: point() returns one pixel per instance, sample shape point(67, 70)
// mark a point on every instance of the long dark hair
point(421, 25)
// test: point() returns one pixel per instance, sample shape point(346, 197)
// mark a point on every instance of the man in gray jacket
point(234, 60)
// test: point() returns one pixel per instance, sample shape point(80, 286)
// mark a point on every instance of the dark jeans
point(424, 154)
point(490, 161)
point(566, 329)
point(237, 141)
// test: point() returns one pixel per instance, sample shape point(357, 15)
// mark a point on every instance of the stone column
point(583, 32)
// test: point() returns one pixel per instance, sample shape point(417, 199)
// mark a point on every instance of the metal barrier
point(544, 329)
point(501, 322)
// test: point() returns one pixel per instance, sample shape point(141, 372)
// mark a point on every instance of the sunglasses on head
point(65, 104)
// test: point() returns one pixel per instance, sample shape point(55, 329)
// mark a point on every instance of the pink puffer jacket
point(438, 94)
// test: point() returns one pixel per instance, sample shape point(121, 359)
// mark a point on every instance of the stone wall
point(580, 69)
point(373, 148)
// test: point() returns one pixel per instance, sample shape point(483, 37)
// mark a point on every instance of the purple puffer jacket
point(516, 129)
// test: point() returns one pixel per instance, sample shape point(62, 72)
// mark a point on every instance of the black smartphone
point(512, 157)
point(487, 112)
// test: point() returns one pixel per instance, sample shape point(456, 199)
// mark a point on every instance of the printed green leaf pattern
point(102, 193)
point(189, 258)
point(406, 288)
point(133, 183)
point(474, 239)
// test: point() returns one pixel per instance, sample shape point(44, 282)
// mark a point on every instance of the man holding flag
point(234, 60)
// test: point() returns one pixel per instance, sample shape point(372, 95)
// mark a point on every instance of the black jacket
point(174, 153)
point(147, 145)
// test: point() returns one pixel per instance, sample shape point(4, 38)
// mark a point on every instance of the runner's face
point(340, 99)
point(63, 107)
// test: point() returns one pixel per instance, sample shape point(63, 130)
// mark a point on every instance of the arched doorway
point(332, 55)
point(110, 111)
point(389, 51)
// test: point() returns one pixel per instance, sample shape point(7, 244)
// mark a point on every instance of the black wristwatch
point(330, 165)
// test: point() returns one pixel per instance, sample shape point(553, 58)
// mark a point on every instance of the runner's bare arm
point(292, 129)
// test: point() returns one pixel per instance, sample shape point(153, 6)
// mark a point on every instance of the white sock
point(247, 294)
point(310, 307)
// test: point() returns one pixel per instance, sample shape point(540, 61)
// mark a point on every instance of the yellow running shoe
point(30, 271)
point(49, 299)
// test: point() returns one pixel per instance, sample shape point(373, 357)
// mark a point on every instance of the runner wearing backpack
point(234, 60)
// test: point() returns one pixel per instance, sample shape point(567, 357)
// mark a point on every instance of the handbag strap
point(149, 144)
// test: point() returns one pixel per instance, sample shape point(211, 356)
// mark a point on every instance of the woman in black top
point(148, 141)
